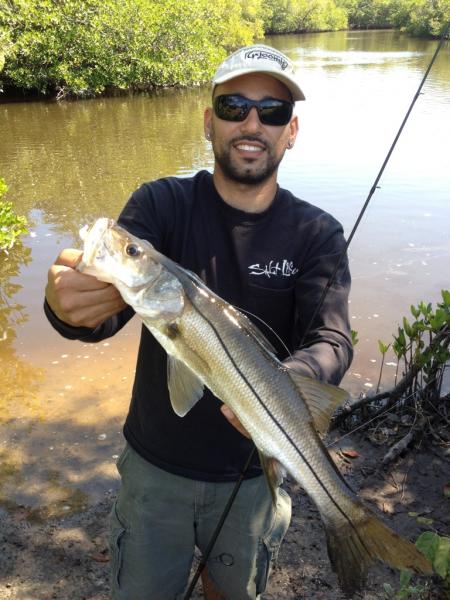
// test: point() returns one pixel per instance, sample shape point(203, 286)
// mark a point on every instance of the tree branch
point(443, 337)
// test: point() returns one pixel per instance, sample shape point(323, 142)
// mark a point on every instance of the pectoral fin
point(185, 388)
point(274, 473)
point(322, 399)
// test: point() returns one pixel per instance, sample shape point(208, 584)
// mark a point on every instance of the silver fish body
point(210, 343)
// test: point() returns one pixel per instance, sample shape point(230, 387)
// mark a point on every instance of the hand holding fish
point(78, 299)
point(233, 420)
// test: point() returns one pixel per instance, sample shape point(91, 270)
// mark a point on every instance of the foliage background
point(83, 47)
point(88, 47)
point(11, 225)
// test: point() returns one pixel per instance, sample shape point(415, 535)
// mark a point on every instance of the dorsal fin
point(249, 327)
point(322, 399)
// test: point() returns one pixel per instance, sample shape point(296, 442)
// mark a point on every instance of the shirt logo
point(283, 268)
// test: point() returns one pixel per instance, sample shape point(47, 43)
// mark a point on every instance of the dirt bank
point(68, 558)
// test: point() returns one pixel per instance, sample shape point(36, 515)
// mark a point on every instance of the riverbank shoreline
point(10, 93)
point(68, 557)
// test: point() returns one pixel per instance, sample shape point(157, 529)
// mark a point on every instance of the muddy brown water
point(62, 403)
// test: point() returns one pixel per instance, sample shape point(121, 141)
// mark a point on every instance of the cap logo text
point(262, 54)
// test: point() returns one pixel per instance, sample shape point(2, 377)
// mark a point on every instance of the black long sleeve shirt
point(273, 265)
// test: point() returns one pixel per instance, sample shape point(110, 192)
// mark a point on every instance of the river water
point(63, 403)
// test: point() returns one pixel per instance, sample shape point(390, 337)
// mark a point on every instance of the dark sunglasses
point(232, 107)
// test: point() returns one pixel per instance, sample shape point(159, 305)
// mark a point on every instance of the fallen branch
point(399, 447)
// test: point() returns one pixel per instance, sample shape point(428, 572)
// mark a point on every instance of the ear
point(293, 130)
point(207, 118)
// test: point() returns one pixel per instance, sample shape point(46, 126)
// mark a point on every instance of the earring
point(290, 145)
point(207, 136)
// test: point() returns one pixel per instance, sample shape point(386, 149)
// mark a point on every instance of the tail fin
point(354, 547)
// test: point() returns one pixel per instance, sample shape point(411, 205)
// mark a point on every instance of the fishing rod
point(325, 290)
point(219, 526)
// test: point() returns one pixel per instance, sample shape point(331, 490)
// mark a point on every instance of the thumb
point(69, 257)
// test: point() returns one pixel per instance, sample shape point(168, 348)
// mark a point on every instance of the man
point(267, 253)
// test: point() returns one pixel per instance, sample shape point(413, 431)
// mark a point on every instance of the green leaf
point(407, 327)
point(398, 348)
point(428, 543)
point(438, 320)
point(401, 337)
point(405, 578)
point(446, 297)
point(415, 311)
point(425, 309)
point(441, 561)
point(424, 521)
point(383, 348)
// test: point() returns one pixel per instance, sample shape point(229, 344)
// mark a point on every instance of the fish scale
point(243, 395)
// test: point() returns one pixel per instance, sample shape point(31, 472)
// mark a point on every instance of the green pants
point(159, 518)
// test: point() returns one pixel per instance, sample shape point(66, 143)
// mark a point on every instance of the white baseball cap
point(259, 59)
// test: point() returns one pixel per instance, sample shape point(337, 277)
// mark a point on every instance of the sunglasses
point(232, 107)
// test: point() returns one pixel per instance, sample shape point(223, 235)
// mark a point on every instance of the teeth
point(249, 148)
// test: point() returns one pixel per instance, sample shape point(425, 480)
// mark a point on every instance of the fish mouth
point(93, 238)
point(105, 256)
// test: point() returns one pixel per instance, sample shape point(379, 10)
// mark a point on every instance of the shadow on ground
point(66, 557)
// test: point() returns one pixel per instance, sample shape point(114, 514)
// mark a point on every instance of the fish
point(211, 343)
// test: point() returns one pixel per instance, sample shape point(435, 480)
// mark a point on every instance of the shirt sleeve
point(323, 348)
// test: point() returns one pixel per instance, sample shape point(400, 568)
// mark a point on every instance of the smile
point(249, 148)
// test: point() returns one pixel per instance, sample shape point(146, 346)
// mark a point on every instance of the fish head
point(114, 255)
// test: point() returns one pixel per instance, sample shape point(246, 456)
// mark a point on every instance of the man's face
point(247, 151)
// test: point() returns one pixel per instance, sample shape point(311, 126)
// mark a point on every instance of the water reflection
point(74, 161)
point(12, 313)
point(20, 379)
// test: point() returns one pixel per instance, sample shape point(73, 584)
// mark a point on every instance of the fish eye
point(132, 249)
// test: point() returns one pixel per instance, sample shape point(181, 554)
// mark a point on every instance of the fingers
point(68, 277)
point(233, 420)
point(66, 264)
point(88, 309)
point(78, 299)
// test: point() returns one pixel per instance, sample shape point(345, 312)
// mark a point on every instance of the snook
point(210, 343)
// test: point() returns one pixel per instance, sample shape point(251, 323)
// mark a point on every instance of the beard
point(249, 175)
